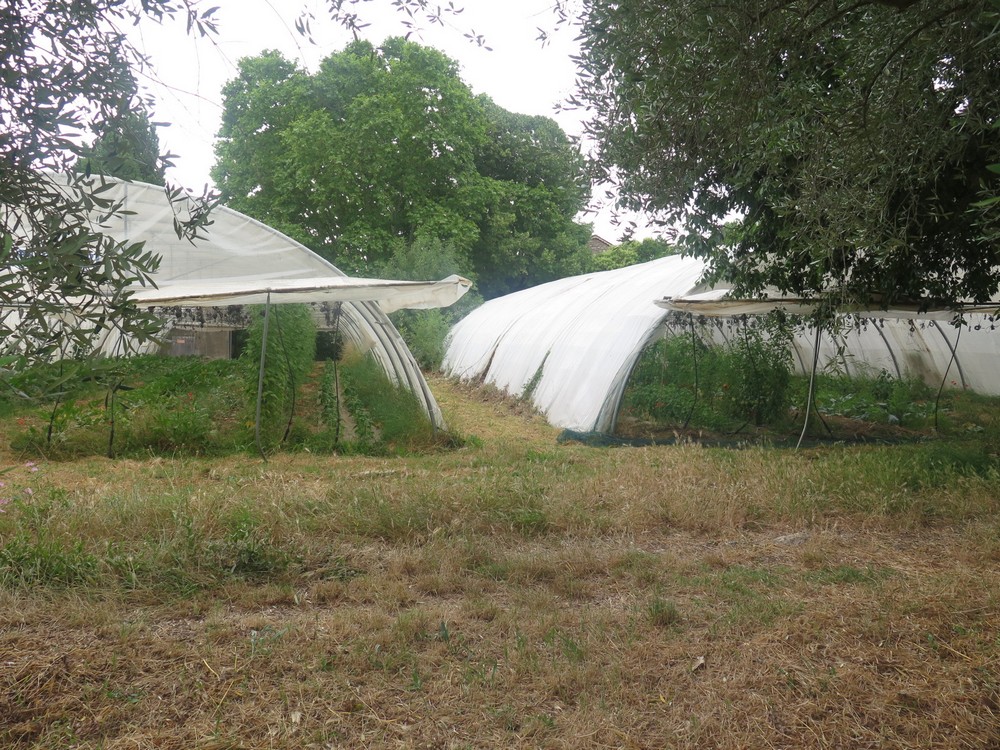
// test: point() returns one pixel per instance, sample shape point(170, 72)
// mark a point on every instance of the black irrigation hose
point(260, 376)
point(753, 364)
point(52, 421)
point(336, 373)
point(52, 415)
point(291, 377)
point(739, 429)
point(336, 395)
point(818, 413)
point(812, 385)
point(944, 379)
point(694, 360)
point(109, 404)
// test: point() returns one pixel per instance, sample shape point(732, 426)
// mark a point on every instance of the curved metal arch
point(888, 346)
point(954, 353)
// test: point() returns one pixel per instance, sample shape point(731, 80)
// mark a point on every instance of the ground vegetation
point(513, 593)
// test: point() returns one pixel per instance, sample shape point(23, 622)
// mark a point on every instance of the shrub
point(425, 331)
point(758, 365)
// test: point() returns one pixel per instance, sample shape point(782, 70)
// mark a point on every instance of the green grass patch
point(662, 613)
point(27, 561)
point(849, 575)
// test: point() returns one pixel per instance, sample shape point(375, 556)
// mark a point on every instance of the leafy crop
point(687, 380)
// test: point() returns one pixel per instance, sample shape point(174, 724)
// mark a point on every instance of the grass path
point(513, 593)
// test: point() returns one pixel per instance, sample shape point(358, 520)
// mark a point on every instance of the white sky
point(519, 73)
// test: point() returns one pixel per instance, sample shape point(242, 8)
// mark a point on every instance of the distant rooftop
point(598, 244)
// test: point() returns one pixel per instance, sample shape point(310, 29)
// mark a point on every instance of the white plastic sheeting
point(390, 295)
point(570, 345)
point(241, 256)
point(716, 303)
point(241, 260)
point(573, 340)
point(901, 341)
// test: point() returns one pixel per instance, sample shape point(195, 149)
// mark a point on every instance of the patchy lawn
point(512, 593)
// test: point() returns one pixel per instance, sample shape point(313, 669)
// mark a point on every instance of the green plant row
point(155, 405)
point(683, 380)
point(273, 380)
point(688, 380)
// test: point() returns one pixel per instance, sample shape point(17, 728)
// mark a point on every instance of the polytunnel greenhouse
point(570, 346)
point(237, 260)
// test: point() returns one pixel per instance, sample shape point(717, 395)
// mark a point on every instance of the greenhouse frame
point(569, 346)
point(237, 260)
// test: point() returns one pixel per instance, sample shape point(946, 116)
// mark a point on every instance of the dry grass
point(513, 593)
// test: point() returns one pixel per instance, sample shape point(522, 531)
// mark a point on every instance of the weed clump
point(386, 418)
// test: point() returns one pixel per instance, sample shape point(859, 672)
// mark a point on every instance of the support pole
point(260, 377)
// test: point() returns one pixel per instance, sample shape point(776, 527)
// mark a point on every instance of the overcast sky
point(518, 73)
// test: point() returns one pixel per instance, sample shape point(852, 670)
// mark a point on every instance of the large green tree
point(67, 70)
point(129, 151)
point(852, 138)
point(384, 146)
point(631, 252)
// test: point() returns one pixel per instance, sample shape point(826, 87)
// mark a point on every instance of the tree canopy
point(129, 151)
point(631, 252)
point(384, 146)
point(852, 139)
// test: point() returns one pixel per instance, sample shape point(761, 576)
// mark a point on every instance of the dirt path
point(490, 415)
